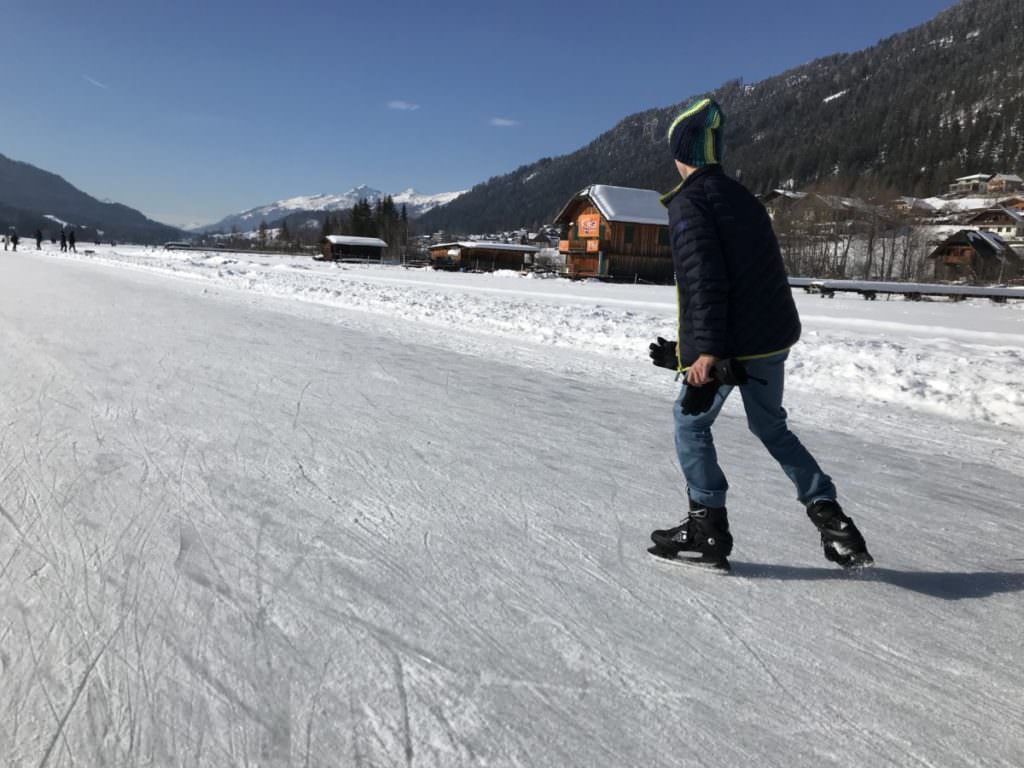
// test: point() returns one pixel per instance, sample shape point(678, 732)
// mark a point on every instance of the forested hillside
point(908, 115)
point(28, 194)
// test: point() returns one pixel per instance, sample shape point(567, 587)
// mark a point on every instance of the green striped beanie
point(696, 136)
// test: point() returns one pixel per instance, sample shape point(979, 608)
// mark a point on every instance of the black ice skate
point(842, 542)
point(704, 531)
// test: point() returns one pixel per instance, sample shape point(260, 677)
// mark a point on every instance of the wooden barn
point(481, 255)
point(339, 247)
point(618, 233)
point(977, 257)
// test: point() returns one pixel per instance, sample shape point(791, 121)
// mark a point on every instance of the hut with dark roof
point(975, 257)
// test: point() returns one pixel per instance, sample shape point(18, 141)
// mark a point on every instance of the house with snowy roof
point(338, 247)
point(976, 257)
point(915, 206)
point(1005, 183)
point(976, 183)
point(618, 233)
point(1008, 223)
point(481, 255)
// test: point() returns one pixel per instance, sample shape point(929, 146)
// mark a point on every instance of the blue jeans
point(767, 420)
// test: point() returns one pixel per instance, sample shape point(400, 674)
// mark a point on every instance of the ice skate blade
point(858, 563)
point(853, 562)
point(704, 564)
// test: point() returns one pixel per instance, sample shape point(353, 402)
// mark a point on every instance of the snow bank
point(959, 360)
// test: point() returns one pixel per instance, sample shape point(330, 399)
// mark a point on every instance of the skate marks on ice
point(317, 566)
point(945, 585)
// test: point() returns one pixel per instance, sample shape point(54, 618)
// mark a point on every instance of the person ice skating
point(6, 242)
point(737, 321)
point(39, 239)
point(14, 240)
point(63, 241)
point(71, 241)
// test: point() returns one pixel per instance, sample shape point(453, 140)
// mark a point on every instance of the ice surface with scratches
point(260, 511)
point(894, 352)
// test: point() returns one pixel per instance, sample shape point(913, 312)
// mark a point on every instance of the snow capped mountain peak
point(416, 205)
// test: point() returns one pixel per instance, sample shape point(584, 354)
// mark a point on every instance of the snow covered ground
point(401, 521)
point(961, 361)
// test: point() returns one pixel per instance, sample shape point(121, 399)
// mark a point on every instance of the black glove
point(663, 354)
point(698, 400)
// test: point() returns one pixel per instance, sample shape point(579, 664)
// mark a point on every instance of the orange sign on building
point(589, 225)
point(593, 246)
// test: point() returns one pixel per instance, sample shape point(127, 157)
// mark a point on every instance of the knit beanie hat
point(696, 136)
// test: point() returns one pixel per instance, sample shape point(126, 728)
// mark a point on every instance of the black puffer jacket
point(734, 298)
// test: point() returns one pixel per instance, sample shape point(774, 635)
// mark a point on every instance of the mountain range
point(905, 116)
point(31, 199)
point(416, 205)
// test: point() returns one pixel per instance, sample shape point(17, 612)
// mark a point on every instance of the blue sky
point(192, 110)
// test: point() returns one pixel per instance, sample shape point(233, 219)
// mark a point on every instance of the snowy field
point(263, 511)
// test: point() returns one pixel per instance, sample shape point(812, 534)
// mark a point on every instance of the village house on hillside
point(1008, 223)
point(975, 184)
point(620, 233)
point(809, 206)
point(987, 184)
point(975, 257)
point(1004, 183)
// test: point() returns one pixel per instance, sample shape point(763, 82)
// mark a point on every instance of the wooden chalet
point(1008, 223)
point(481, 256)
point(339, 247)
point(618, 233)
point(977, 257)
point(1005, 183)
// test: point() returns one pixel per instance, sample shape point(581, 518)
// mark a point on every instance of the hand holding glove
point(698, 400)
point(663, 354)
point(730, 372)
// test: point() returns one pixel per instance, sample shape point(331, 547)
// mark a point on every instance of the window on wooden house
point(629, 234)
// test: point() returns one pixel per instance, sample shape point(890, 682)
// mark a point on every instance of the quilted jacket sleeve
point(702, 276)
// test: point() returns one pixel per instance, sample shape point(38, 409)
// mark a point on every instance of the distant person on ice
point(63, 241)
point(71, 241)
point(14, 240)
point(39, 239)
point(737, 322)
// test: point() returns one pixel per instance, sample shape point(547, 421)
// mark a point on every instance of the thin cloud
point(403, 106)
point(97, 83)
point(503, 122)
